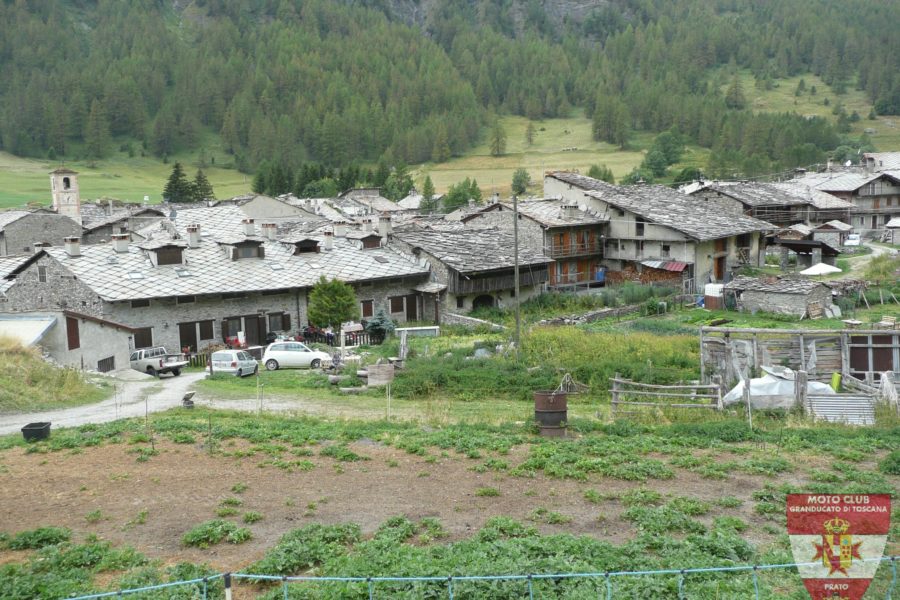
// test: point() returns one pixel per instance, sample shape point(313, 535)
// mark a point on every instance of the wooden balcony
point(528, 276)
point(575, 249)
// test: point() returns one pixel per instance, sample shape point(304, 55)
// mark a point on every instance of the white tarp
point(820, 269)
point(774, 390)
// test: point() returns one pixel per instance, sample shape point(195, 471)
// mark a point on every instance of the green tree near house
point(332, 303)
point(428, 203)
point(520, 181)
point(601, 172)
point(178, 188)
point(202, 189)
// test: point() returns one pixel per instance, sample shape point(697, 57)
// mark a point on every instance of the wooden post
point(748, 401)
point(800, 387)
point(802, 354)
point(755, 355)
point(702, 361)
point(615, 395)
point(845, 355)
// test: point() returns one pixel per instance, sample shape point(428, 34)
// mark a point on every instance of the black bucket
point(36, 431)
point(550, 418)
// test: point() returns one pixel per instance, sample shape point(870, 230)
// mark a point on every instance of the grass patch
point(487, 492)
point(28, 383)
point(213, 532)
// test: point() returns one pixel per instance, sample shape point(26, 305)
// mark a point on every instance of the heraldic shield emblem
point(838, 540)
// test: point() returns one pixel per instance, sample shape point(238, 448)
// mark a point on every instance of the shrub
point(39, 538)
point(487, 492)
point(212, 532)
point(890, 464)
point(252, 517)
point(306, 547)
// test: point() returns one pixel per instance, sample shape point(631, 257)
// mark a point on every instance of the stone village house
point(656, 234)
point(561, 230)
point(192, 285)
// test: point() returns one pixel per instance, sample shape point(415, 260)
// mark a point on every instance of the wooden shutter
point(286, 322)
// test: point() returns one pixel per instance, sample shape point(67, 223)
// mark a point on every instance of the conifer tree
point(734, 97)
point(178, 188)
point(428, 203)
point(96, 131)
point(202, 188)
point(498, 139)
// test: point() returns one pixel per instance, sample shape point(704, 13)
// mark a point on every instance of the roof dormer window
point(168, 256)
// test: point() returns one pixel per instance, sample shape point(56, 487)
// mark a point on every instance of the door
point(412, 307)
point(874, 221)
point(251, 330)
point(719, 271)
point(187, 334)
point(72, 335)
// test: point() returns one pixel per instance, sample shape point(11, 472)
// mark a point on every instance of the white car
point(233, 362)
point(288, 355)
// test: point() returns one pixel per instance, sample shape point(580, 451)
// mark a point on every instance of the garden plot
point(618, 496)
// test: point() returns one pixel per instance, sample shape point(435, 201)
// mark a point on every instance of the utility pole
point(516, 269)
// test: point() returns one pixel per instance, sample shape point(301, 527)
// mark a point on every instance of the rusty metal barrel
point(551, 412)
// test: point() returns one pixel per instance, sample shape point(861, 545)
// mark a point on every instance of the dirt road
point(859, 264)
point(128, 401)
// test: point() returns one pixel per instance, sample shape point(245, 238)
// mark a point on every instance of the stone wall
point(47, 285)
point(20, 236)
point(786, 304)
point(97, 342)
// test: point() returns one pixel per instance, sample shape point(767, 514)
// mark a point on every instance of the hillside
point(416, 81)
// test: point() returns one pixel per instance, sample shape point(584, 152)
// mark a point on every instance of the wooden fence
point(727, 354)
point(634, 395)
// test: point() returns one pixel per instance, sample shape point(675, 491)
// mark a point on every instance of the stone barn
point(786, 296)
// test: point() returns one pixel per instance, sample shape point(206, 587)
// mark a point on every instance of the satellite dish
point(848, 163)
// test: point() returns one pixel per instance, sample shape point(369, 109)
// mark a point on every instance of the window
point(396, 304)
point(206, 330)
point(247, 252)
point(72, 335)
point(234, 296)
point(279, 321)
point(371, 242)
point(639, 227)
point(185, 300)
point(168, 256)
point(42, 274)
point(460, 302)
point(619, 212)
point(665, 250)
point(143, 337)
point(107, 364)
point(67, 183)
point(140, 303)
point(367, 308)
point(231, 326)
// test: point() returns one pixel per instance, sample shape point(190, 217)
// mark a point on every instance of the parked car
point(233, 362)
point(287, 355)
point(155, 361)
point(853, 239)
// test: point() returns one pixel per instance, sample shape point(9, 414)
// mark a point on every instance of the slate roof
point(582, 181)
point(123, 216)
point(548, 212)
point(883, 161)
point(839, 225)
point(664, 206)
point(472, 250)
point(791, 193)
point(784, 285)
point(206, 270)
point(843, 181)
point(12, 264)
point(11, 216)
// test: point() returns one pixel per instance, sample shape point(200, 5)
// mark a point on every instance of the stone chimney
point(829, 165)
point(73, 246)
point(328, 243)
point(384, 226)
point(249, 227)
point(120, 242)
point(193, 232)
point(340, 228)
point(367, 225)
point(270, 231)
point(38, 246)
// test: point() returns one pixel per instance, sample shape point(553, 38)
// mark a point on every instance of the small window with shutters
point(285, 322)
point(72, 335)
point(42, 274)
point(367, 308)
point(396, 304)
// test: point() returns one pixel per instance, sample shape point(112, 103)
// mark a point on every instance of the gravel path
point(128, 401)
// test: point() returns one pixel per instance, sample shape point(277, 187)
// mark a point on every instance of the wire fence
point(208, 588)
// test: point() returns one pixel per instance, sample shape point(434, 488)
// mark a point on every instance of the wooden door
point(252, 330)
point(72, 335)
point(412, 307)
point(719, 269)
point(187, 334)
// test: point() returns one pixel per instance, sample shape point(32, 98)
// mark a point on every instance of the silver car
point(234, 362)
point(287, 355)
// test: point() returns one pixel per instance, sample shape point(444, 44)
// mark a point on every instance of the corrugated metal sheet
point(670, 265)
point(843, 408)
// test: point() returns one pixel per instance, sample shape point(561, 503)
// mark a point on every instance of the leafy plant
point(39, 538)
point(487, 492)
point(252, 517)
point(213, 532)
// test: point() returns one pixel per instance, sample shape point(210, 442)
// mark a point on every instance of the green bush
point(306, 547)
point(39, 538)
point(212, 532)
point(890, 464)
